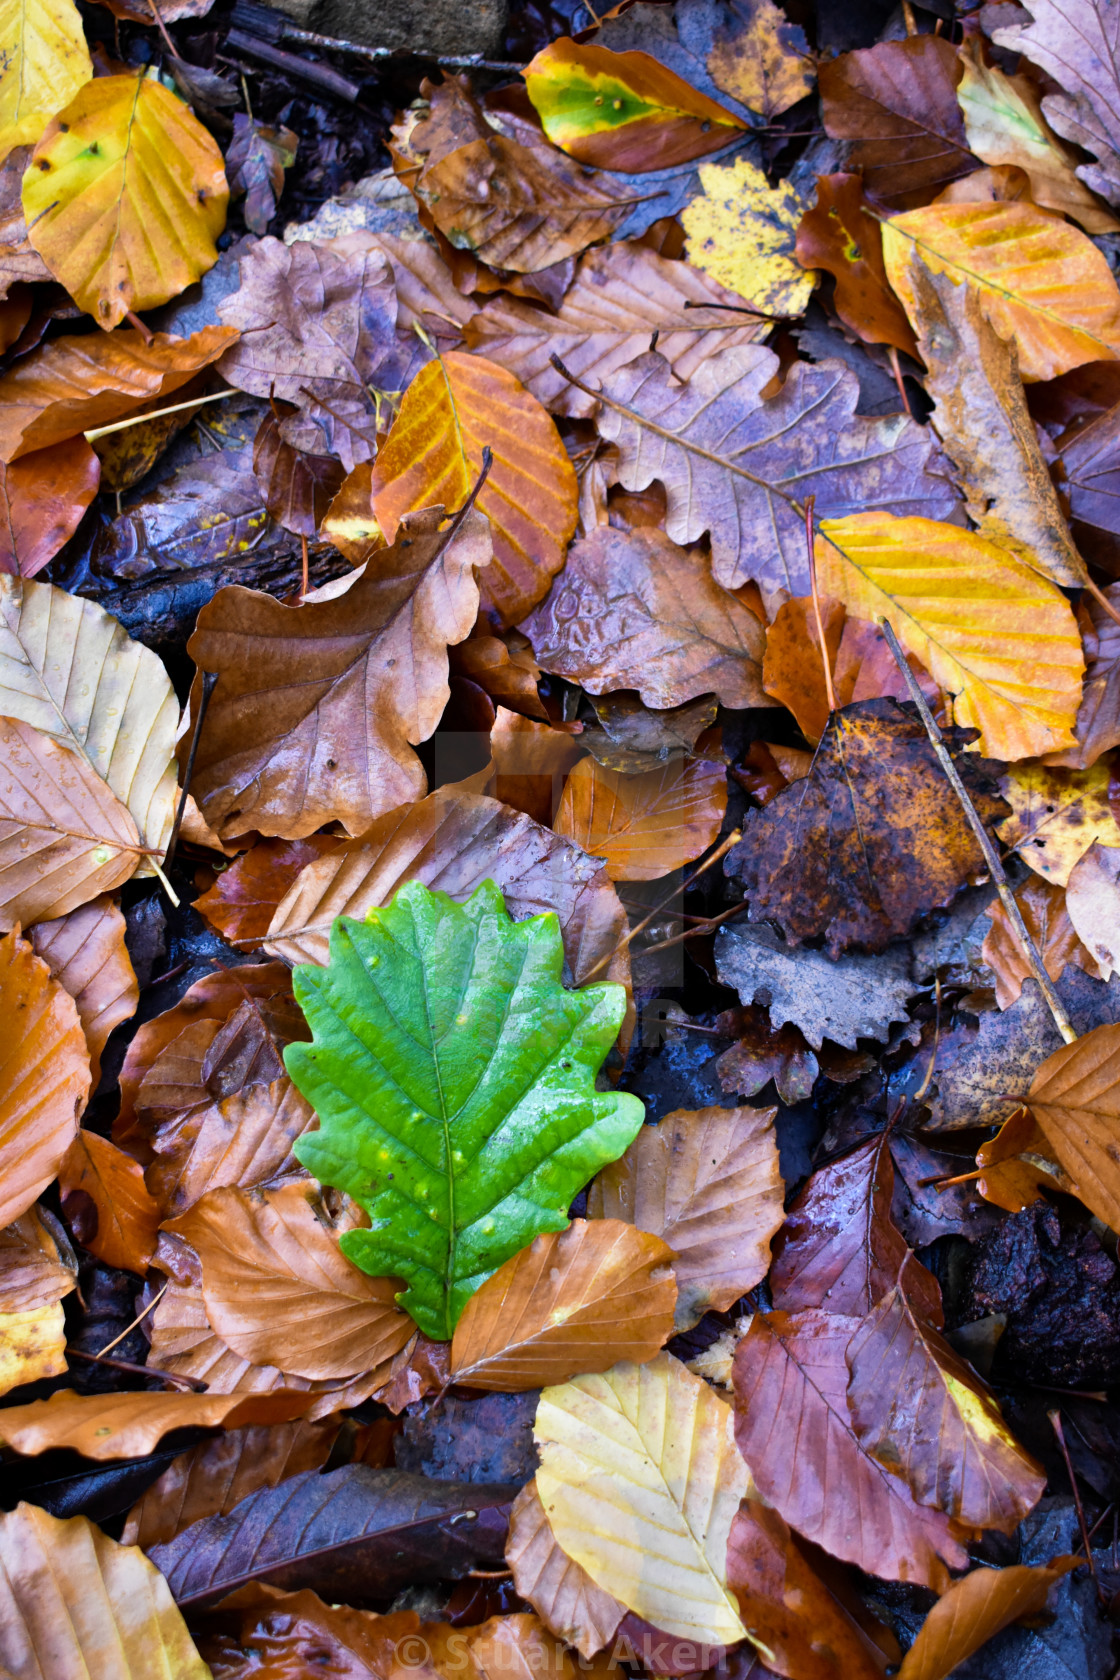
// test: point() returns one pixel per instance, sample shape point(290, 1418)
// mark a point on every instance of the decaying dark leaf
point(256, 160)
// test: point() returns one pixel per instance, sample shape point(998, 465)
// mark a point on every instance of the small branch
point(991, 856)
point(1056, 1424)
point(162, 27)
point(721, 851)
point(825, 661)
point(899, 381)
point(209, 684)
point(140, 326)
point(690, 933)
point(156, 414)
point(1101, 599)
point(127, 1331)
point(192, 1383)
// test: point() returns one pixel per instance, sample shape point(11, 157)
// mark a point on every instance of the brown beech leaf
point(632, 610)
point(1098, 718)
point(897, 104)
point(806, 438)
point(925, 1415)
point(840, 1248)
point(871, 839)
point(279, 1291)
point(793, 1428)
point(298, 487)
point(575, 1301)
point(44, 1076)
point(454, 409)
point(65, 837)
point(243, 900)
point(620, 296)
point(506, 670)
point(73, 1602)
point(1043, 908)
point(37, 1264)
point(70, 385)
point(981, 417)
point(107, 1203)
point(561, 1592)
point(841, 235)
point(130, 1425)
point(531, 761)
point(213, 1477)
point(1075, 1097)
point(451, 841)
point(42, 499)
point(316, 326)
point(313, 714)
point(644, 826)
point(86, 953)
point(788, 1610)
point(707, 1181)
point(976, 1608)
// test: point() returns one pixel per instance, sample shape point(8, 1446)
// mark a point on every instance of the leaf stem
point(193, 1384)
point(1101, 599)
point(825, 661)
point(1056, 1425)
point(154, 1302)
point(991, 856)
point(721, 850)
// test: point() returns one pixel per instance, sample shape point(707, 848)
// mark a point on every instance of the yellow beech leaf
point(743, 232)
point(997, 636)
point(45, 61)
point(1056, 815)
point(1044, 283)
point(32, 1346)
point(124, 197)
point(640, 1480)
point(762, 58)
point(454, 408)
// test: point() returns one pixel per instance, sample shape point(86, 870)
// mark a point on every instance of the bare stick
point(721, 851)
point(828, 688)
point(991, 856)
point(127, 1331)
point(156, 414)
point(194, 1384)
point(1101, 599)
point(705, 926)
point(141, 327)
point(162, 27)
point(209, 684)
point(1056, 1424)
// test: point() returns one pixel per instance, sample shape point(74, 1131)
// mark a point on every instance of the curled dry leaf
point(279, 1291)
point(73, 1602)
point(311, 720)
point(760, 1055)
point(454, 409)
point(647, 825)
point(213, 1477)
point(42, 499)
point(640, 1481)
point(632, 610)
point(44, 1076)
point(793, 1428)
point(841, 235)
point(127, 175)
point(964, 606)
point(130, 1425)
point(46, 61)
point(37, 1264)
point(107, 1203)
point(1075, 1097)
point(743, 232)
point(256, 158)
point(974, 1610)
point(574, 1301)
point(348, 523)
point(707, 1182)
point(897, 104)
point(86, 953)
point(243, 900)
point(1056, 815)
point(298, 487)
point(1043, 283)
point(925, 1415)
point(1044, 910)
point(507, 671)
point(1092, 902)
point(1017, 1164)
point(561, 1592)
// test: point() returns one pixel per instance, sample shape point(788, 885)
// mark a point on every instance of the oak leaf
point(762, 58)
point(312, 716)
point(561, 1592)
point(743, 232)
point(74, 1602)
point(86, 953)
point(964, 606)
point(125, 196)
point(925, 1415)
point(641, 1481)
point(840, 234)
point(1056, 816)
point(107, 1204)
point(279, 1291)
point(1044, 910)
point(808, 438)
point(130, 1425)
point(1075, 1097)
point(37, 1265)
point(243, 899)
point(975, 1608)
point(706, 1181)
point(454, 409)
point(42, 499)
point(1044, 284)
point(647, 825)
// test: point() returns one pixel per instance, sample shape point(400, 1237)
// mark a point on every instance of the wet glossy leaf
point(974, 1610)
point(243, 900)
point(210, 511)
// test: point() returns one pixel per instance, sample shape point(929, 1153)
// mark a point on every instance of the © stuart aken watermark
point(661, 1653)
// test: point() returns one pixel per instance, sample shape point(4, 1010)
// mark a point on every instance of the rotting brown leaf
point(243, 900)
point(37, 1264)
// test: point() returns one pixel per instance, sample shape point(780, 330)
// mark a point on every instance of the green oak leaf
point(454, 1079)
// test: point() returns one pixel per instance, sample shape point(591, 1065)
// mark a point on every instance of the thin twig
point(156, 414)
point(1056, 1425)
point(450, 61)
point(195, 1384)
point(141, 327)
point(1101, 599)
point(899, 381)
point(825, 661)
point(162, 27)
point(721, 851)
point(140, 1317)
point(209, 684)
point(690, 933)
point(991, 856)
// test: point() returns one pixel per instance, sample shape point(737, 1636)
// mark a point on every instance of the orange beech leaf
point(1017, 1164)
point(647, 825)
point(1043, 908)
point(311, 721)
point(1075, 1097)
point(129, 1425)
point(243, 900)
point(42, 499)
point(789, 1612)
point(37, 1264)
point(974, 1610)
point(454, 408)
point(71, 385)
point(506, 670)
point(573, 1301)
point(840, 1249)
point(841, 235)
point(86, 953)
point(348, 523)
point(44, 1076)
point(793, 1428)
point(561, 1592)
point(75, 1603)
point(1043, 283)
point(707, 1181)
point(531, 761)
point(279, 1291)
point(107, 1204)
point(925, 1415)
point(213, 1477)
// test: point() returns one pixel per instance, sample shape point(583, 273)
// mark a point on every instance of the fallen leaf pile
point(560, 841)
